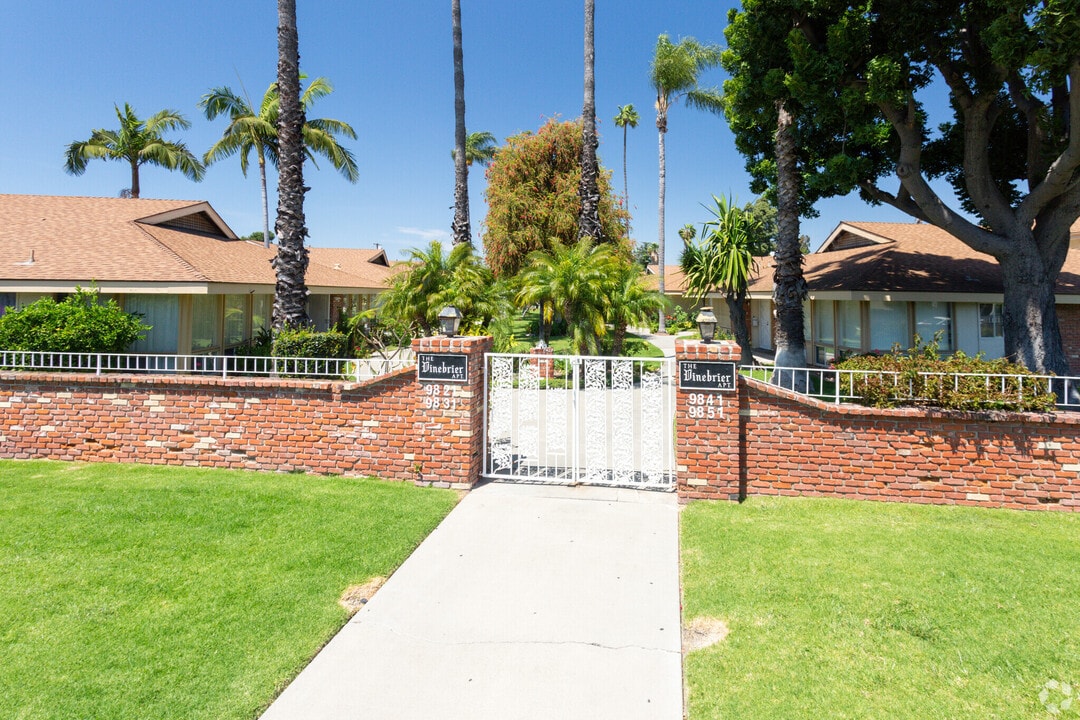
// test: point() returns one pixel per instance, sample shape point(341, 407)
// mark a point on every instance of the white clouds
point(425, 235)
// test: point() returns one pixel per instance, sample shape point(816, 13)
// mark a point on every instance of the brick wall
point(785, 444)
point(393, 427)
point(707, 430)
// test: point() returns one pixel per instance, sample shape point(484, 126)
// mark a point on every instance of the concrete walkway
point(528, 601)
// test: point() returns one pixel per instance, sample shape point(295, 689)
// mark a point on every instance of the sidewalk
point(528, 601)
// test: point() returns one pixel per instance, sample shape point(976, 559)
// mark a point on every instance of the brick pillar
point(447, 446)
point(707, 430)
point(544, 365)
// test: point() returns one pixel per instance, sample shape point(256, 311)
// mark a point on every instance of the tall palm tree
point(627, 118)
point(570, 280)
point(674, 73)
point(630, 301)
point(460, 228)
point(480, 148)
point(290, 264)
point(789, 285)
point(137, 142)
point(723, 262)
point(589, 217)
point(249, 131)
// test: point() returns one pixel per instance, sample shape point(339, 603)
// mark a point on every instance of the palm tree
point(789, 285)
point(630, 301)
point(460, 228)
point(249, 130)
point(674, 72)
point(291, 261)
point(480, 148)
point(138, 142)
point(588, 192)
point(723, 262)
point(687, 232)
point(627, 117)
point(570, 280)
point(435, 279)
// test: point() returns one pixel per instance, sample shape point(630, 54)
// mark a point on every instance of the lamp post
point(449, 319)
point(706, 323)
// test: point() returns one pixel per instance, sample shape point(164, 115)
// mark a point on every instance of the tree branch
point(1059, 176)
point(978, 177)
point(901, 201)
point(1031, 106)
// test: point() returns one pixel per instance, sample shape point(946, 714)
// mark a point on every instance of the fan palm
point(627, 118)
point(250, 130)
point(723, 261)
point(460, 227)
point(480, 148)
point(137, 142)
point(588, 191)
point(674, 73)
point(291, 262)
point(571, 280)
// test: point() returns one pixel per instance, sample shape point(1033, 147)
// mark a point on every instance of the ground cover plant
point(848, 609)
point(132, 591)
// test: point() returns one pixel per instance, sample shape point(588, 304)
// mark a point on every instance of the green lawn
point(526, 335)
point(845, 609)
point(139, 592)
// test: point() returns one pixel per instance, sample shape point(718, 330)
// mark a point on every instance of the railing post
point(98, 364)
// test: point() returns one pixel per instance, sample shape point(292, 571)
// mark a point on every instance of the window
point(235, 319)
point(889, 325)
point(6, 300)
point(260, 312)
point(849, 324)
point(932, 318)
point(824, 332)
point(205, 322)
point(991, 320)
point(162, 312)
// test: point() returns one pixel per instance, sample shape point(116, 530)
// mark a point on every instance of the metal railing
point(991, 389)
point(220, 365)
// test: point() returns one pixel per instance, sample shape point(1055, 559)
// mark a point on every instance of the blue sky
point(69, 62)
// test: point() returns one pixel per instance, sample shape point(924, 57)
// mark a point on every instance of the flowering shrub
point(921, 376)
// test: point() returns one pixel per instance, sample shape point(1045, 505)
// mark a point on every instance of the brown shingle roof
point(77, 240)
point(908, 257)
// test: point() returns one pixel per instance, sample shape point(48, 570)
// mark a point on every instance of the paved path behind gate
point(526, 602)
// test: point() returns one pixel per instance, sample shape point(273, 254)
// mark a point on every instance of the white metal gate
point(580, 419)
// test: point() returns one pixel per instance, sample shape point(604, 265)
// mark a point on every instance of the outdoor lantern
point(449, 319)
point(706, 323)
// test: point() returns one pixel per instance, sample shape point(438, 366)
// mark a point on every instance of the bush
point(922, 377)
point(78, 323)
point(304, 343)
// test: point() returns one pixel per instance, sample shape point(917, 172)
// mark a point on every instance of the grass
point(130, 591)
point(847, 609)
point(525, 331)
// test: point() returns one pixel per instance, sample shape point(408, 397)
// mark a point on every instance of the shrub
point(304, 343)
point(78, 323)
point(922, 377)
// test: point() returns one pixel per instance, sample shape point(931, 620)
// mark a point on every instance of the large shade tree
point(136, 142)
point(532, 196)
point(291, 261)
point(675, 70)
point(1010, 144)
point(250, 130)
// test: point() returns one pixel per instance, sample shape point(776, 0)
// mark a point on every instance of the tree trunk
point(736, 303)
point(625, 184)
point(661, 124)
point(789, 286)
point(265, 202)
point(588, 192)
point(618, 338)
point(290, 293)
point(1032, 335)
point(461, 228)
point(134, 179)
